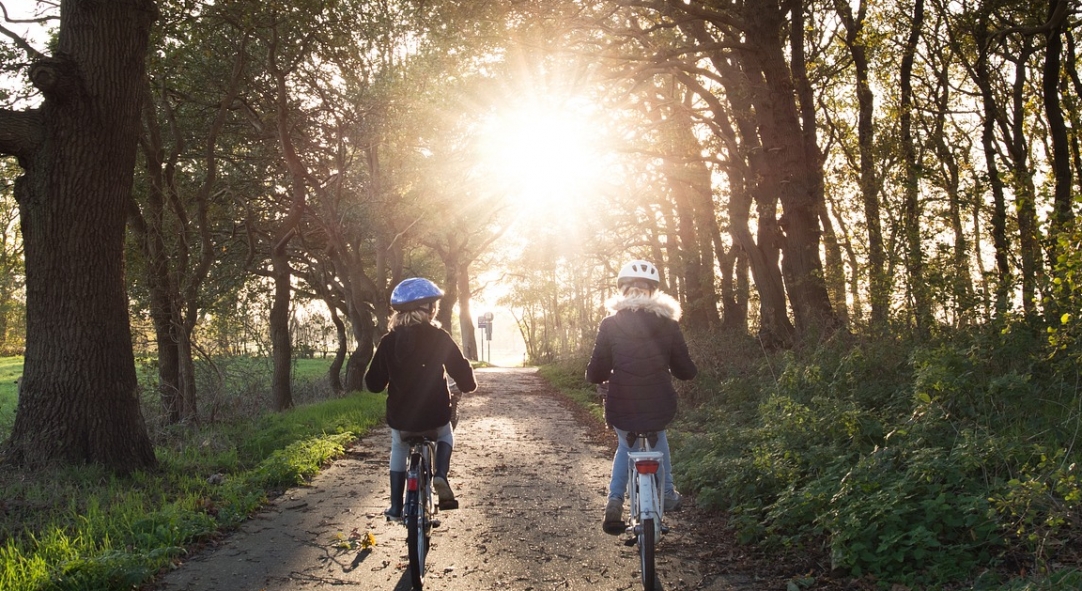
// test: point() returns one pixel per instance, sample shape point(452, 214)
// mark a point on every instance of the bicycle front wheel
point(646, 554)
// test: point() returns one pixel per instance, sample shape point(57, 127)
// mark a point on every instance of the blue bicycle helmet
point(414, 293)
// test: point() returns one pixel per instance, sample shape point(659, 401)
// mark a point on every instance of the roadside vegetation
point(943, 464)
point(85, 528)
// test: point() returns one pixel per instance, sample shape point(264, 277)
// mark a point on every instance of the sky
point(27, 9)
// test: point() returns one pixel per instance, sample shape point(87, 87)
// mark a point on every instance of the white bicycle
point(647, 503)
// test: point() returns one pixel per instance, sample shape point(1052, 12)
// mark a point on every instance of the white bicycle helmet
point(638, 270)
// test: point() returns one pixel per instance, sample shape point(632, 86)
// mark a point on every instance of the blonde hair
point(420, 315)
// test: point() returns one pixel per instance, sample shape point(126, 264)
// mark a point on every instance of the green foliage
point(85, 529)
point(1042, 506)
point(914, 516)
point(918, 464)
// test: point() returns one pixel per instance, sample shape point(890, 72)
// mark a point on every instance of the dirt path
point(531, 479)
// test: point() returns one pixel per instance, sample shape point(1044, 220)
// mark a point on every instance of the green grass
point(312, 369)
point(83, 528)
point(10, 370)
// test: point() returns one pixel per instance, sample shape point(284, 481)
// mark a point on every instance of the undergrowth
point(913, 465)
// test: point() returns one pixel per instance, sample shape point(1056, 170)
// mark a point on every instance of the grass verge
point(86, 529)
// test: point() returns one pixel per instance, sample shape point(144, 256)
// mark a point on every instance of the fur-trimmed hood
point(659, 303)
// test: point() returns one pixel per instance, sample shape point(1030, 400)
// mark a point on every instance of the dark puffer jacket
point(638, 350)
point(411, 360)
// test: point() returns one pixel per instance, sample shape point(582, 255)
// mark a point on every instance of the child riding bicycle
point(639, 348)
point(410, 362)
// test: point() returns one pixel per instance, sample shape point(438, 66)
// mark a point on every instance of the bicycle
point(419, 511)
point(456, 396)
point(647, 505)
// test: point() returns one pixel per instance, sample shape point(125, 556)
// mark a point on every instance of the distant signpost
point(485, 321)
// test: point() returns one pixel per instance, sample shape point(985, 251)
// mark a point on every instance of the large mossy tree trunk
point(78, 398)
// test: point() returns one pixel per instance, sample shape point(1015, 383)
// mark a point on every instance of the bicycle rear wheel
point(418, 547)
point(417, 529)
point(646, 554)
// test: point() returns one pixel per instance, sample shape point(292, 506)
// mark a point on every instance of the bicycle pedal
point(435, 523)
point(448, 505)
point(630, 542)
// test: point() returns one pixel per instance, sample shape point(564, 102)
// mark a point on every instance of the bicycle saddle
point(633, 436)
point(412, 437)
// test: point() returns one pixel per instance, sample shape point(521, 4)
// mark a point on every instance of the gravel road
point(531, 479)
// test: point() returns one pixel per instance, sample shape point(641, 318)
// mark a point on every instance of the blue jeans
point(618, 483)
point(400, 449)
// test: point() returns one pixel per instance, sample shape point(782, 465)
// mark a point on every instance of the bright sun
point(544, 159)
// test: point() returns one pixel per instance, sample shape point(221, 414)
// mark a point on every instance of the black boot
point(439, 481)
point(398, 486)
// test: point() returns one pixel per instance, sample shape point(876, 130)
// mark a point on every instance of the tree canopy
point(795, 169)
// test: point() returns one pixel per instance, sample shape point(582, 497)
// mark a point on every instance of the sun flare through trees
point(547, 161)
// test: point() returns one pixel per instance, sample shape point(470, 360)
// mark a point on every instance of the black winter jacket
point(411, 360)
point(638, 348)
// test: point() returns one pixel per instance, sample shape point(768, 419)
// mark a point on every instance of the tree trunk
point(775, 329)
point(334, 372)
point(1061, 163)
point(281, 273)
point(1057, 130)
point(450, 289)
point(1025, 193)
point(189, 410)
point(689, 181)
point(982, 77)
point(921, 302)
point(793, 176)
point(835, 267)
point(78, 397)
point(361, 318)
point(961, 284)
point(465, 316)
point(878, 284)
point(281, 344)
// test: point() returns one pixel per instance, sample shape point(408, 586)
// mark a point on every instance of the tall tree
point(78, 398)
point(175, 221)
point(915, 248)
point(856, 39)
point(1057, 126)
